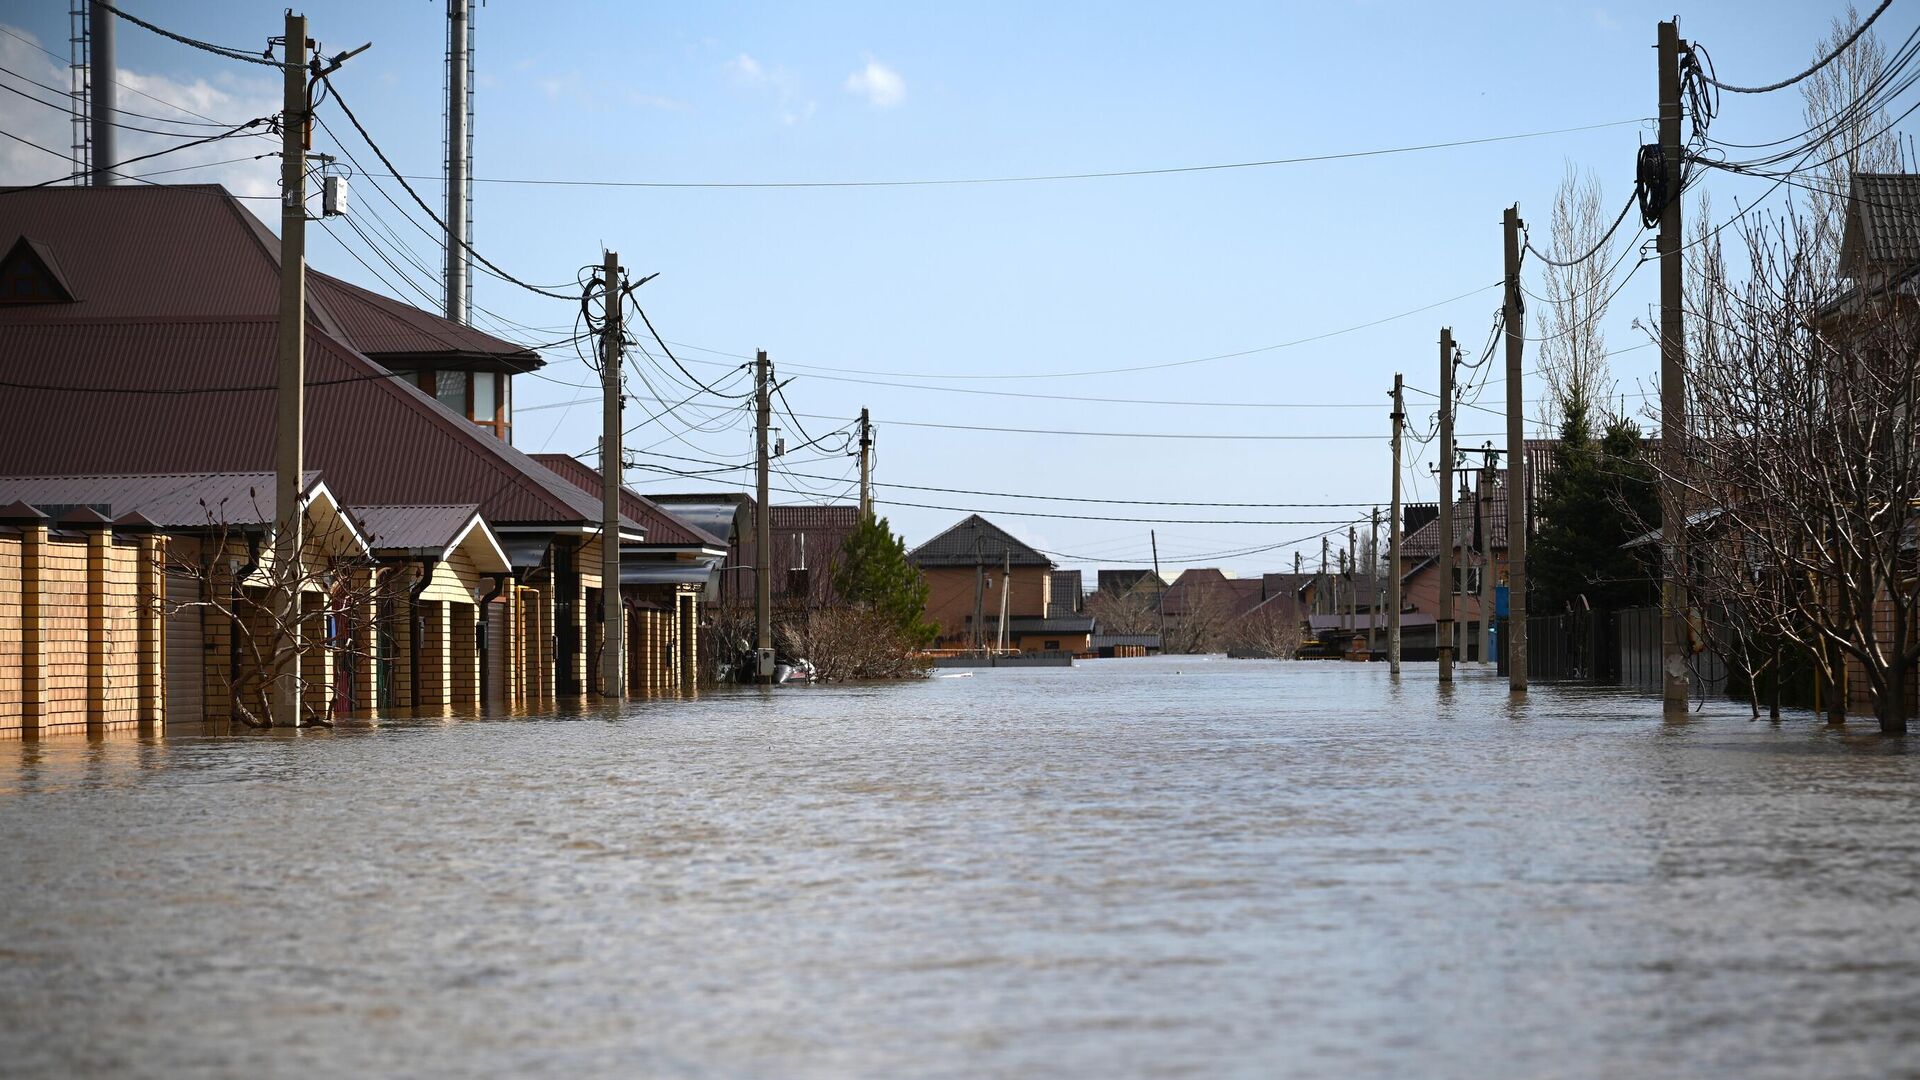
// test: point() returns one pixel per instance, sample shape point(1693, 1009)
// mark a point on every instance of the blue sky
point(1004, 280)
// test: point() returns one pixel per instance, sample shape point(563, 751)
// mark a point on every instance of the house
point(806, 542)
point(162, 563)
point(663, 578)
point(140, 331)
point(1120, 582)
point(1475, 520)
point(975, 569)
point(1066, 598)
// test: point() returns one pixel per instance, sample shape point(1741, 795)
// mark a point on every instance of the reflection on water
point(1136, 867)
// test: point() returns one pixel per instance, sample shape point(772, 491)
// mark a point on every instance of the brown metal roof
point(178, 291)
point(412, 528)
point(1424, 542)
point(379, 440)
point(663, 529)
point(975, 541)
point(169, 500)
point(397, 334)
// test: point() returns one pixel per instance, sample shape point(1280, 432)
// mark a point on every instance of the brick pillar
point(99, 629)
point(33, 630)
point(150, 595)
point(689, 642)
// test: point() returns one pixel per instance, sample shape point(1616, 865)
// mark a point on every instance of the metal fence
point(1610, 647)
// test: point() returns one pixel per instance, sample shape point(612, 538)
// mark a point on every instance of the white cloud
point(879, 84)
point(747, 70)
point(234, 102)
point(794, 107)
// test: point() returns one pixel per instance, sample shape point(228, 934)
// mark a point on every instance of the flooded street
point(1170, 867)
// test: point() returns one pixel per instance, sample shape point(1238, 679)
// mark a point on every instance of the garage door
point(185, 657)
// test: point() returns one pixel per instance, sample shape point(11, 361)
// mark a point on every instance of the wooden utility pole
point(1443, 620)
point(1675, 689)
point(290, 413)
point(866, 466)
point(613, 636)
point(1393, 538)
point(762, 524)
point(1516, 631)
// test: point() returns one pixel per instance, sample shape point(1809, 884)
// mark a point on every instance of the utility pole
point(1351, 616)
point(1321, 598)
point(1443, 621)
point(1483, 525)
point(1373, 579)
point(290, 395)
point(1160, 594)
point(1516, 632)
point(979, 600)
point(866, 466)
point(613, 635)
point(1675, 689)
point(457, 162)
point(1393, 538)
point(762, 524)
point(102, 91)
point(1006, 594)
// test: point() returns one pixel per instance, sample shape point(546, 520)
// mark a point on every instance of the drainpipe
point(480, 646)
point(415, 629)
point(233, 639)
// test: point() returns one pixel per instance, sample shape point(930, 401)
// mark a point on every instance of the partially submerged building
point(973, 570)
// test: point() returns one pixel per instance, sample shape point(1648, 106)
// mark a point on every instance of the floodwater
point(1170, 867)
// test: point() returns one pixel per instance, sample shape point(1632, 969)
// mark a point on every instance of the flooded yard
point(1168, 867)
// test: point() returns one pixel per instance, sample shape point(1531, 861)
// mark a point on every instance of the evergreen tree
point(1599, 496)
point(874, 572)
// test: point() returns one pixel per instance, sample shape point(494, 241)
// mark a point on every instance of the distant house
point(975, 566)
point(807, 542)
point(1120, 582)
point(1420, 584)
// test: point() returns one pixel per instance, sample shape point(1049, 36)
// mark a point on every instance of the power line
point(1817, 65)
point(265, 59)
point(1046, 177)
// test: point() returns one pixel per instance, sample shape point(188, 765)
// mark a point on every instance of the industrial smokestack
point(100, 69)
point(457, 15)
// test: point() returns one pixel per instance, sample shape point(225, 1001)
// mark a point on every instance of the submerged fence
point(1609, 647)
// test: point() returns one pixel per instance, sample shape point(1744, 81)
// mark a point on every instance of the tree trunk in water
point(1891, 708)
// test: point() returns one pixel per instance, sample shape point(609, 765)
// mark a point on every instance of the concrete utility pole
point(1373, 578)
point(290, 394)
point(100, 92)
point(613, 629)
point(1351, 616)
point(1483, 524)
point(1393, 538)
point(979, 600)
point(866, 466)
point(762, 523)
point(1322, 597)
point(1443, 620)
point(1516, 632)
point(1675, 689)
point(457, 160)
point(1006, 595)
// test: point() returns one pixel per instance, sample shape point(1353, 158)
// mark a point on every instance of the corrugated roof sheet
point(169, 500)
point(412, 528)
point(1883, 222)
point(975, 541)
point(392, 332)
point(1424, 542)
point(178, 290)
point(663, 529)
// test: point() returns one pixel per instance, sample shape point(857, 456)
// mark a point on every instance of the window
point(451, 388)
point(1053, 646)
point(486, 403)
point(1466, 579)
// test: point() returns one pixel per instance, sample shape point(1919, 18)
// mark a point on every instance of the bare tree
point(1802, 450)
point(1200, 622)
point(1573, 348)
point(1853, 139)
point(235, 578)
point(1270, 630)
point(1136, 611)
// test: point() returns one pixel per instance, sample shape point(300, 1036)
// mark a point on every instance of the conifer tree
point(1599, 496)
point(874, 572)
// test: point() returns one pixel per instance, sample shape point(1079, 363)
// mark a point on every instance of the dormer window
point(480, 396)
point(29, 275)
